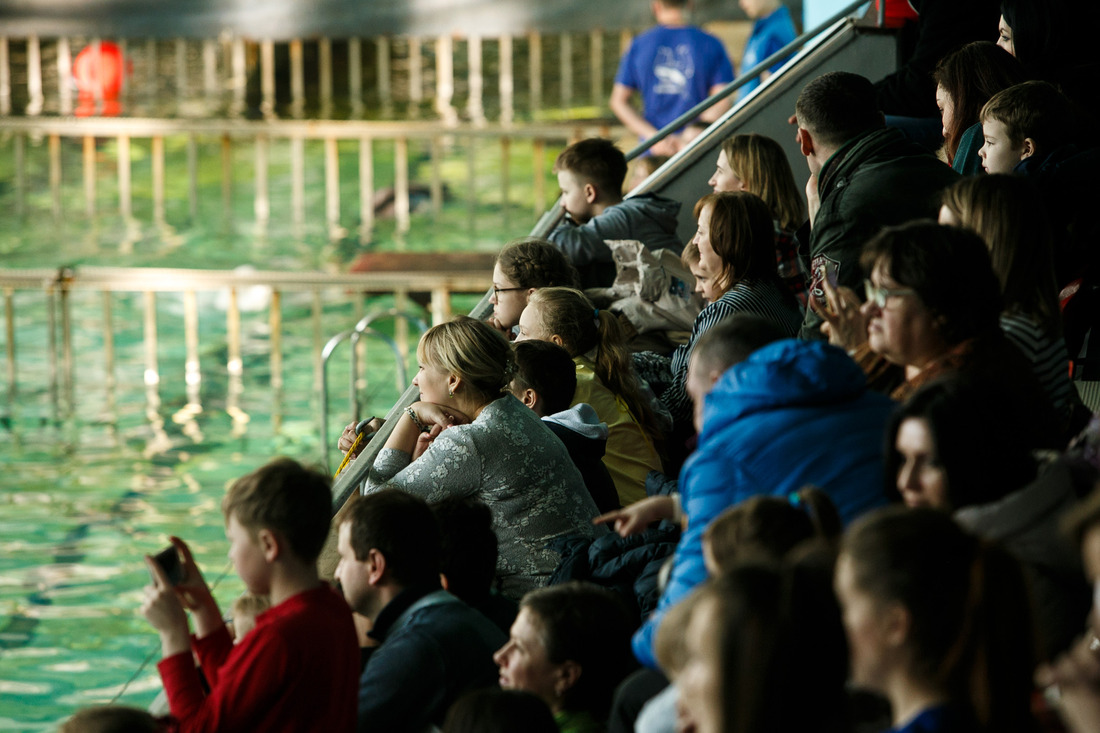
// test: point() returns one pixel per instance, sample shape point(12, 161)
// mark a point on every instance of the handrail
point(356, 472)
point(360, 328)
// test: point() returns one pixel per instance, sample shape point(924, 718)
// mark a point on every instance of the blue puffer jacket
point(793, 413)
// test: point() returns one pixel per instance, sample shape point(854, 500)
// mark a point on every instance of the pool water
point(83, 498)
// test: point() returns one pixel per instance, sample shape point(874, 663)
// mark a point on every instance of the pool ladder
point(362, 328)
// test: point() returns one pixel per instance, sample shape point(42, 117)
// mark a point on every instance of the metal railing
point(362, 328)
point(473, 77)
point(353, 476)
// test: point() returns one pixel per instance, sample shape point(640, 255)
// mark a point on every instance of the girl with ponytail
point(605, 380)
point(938, 622)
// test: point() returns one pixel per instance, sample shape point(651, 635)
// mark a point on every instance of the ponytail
point(570, 315)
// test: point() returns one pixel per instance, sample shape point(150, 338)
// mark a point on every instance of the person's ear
point(805, 141)
point(897, 623)
point(528, 397)
point(270, 544)
point(1028, 149)
point(376, 566)
point(556, 339)
point(453, 383)
point(591, 193)
point(569, 672)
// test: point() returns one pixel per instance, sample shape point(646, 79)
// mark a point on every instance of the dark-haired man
point(432, 646)
point(863, 176)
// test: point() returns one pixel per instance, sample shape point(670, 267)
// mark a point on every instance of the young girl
point(605, 380)
point(1008, 214)
point(965, 81)
point(938, 622)
point(735, 241)
point(757, 164)
point(523, 266)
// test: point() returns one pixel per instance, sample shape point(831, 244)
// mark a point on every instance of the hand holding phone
point(169, 562)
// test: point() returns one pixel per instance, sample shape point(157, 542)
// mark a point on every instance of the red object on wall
point(897, 12)
point(99, 69)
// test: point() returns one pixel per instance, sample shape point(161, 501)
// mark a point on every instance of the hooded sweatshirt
point(647, 218)
point(585, 438)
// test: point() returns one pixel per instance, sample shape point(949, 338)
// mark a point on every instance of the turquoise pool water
point(84, 497)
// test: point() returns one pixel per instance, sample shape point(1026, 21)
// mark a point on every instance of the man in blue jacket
point(778, 414)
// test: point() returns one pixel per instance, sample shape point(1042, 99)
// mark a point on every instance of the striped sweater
point(765, 298)
point(1046, 352)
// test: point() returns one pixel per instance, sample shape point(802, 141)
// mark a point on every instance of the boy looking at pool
point(590, 175)
point(303, 650)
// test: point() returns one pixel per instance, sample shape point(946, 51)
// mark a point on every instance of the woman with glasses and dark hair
point(933, 307)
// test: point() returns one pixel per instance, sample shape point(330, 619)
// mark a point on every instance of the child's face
point(509, 302)
point(574, 197)
point(998, 154)
point(704, 283)
point(247, 557)
point(530, 325)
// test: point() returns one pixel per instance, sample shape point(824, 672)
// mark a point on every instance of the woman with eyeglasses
point(933, 308)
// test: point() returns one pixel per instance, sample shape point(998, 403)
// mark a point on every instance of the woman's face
point(510, 301)
point(903, 330)
point(947, 109)
point(921, 479)
point(709, 261)
point(700, 680)
point(1004, 36)
point(524, 664)
point(870, 650)
point(433, 383)
point(724, 179)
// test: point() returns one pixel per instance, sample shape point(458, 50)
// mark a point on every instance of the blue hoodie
point(793, 413)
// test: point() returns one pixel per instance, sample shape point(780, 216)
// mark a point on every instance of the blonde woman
point(467, 436)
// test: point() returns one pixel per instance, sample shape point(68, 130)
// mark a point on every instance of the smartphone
point(169, 561)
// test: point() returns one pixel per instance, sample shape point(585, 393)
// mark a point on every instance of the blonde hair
point(471, 350)
point(690, 255)
point(570, 315)
point(763, 168)
point(251, 604)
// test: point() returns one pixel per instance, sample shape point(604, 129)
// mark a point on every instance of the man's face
point(353, 574)
point(700, 379)
point(574, 197)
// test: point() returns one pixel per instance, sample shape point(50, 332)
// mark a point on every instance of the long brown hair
point(763, 168)
point(742, 235)
point(1008, 213)
point(970, 76)
point(971, 628)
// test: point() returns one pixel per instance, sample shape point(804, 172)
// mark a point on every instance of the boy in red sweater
point(298, 670)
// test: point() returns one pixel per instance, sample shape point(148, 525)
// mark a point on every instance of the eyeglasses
point(498, 291)
point(879, 295)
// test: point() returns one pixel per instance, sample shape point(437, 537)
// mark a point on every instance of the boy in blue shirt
point(674, 67)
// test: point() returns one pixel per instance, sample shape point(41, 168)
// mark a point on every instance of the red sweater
point(298, 670)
